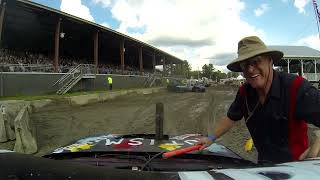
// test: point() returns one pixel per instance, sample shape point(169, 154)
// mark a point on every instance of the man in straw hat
point(275, 105)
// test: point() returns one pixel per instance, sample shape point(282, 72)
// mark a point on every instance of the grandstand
point(36, 38)
point(301, 60)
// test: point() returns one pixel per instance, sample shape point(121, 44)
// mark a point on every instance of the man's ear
point(271, 61)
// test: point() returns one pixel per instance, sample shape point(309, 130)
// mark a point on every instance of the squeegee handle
point(181, 151)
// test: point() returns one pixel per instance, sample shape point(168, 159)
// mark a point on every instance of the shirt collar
point(275, 86)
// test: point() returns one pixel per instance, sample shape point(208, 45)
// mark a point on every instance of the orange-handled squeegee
point(181, 151)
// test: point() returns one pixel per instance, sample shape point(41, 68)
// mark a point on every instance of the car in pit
point(190, 85)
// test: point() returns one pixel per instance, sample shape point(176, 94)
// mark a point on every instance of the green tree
point(217, 75)
point(233, 74)
point(195, 74)
point(186, 69)
point(207, 71)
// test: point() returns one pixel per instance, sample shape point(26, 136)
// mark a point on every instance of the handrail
point(67, 75)
point(79, 69)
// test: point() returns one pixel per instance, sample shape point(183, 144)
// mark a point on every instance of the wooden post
point(1, 83)
point(96, 49)
point(3, 9)
point(56, 46)
point(159, 121)
point(315, 70)
point(164, 65)
point(171, 68)
point(140, 60)
point(154, 62)
point(122, 50)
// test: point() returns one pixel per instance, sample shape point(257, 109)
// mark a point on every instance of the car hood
point(140, 143)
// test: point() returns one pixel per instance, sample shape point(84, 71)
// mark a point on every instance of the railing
point(69, 75)
point(79, 70)
point(312, 76)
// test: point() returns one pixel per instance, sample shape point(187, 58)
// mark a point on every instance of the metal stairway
point(67, 86)
point(150, 80)
point(73, 76)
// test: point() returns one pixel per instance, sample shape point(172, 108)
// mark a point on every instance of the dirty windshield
point(159, 86)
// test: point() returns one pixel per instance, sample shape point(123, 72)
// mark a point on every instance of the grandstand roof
point(32, 25)
point(297, 51)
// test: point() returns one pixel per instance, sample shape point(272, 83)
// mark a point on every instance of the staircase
point(73, 76)
point(150, 80)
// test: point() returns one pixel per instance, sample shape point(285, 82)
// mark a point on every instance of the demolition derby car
point(188, 86)
point(141, 156)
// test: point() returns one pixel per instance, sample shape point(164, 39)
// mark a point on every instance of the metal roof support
point(96, 49)
point(140, 60)
point(3, 9)
point(122, 50)
point(302, 73)
point(288, 62)
point(56, 46)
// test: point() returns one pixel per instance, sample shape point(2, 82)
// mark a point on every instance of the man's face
point(257, 71)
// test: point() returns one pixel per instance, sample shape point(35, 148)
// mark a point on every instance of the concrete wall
point(13, 84)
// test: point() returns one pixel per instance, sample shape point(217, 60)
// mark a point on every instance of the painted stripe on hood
point(200, 175)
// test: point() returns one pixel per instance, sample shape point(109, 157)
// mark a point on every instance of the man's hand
point(314, 150)
point(223, 126)
point(205, 142)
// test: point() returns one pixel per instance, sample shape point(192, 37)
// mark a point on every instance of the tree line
point(208, 71)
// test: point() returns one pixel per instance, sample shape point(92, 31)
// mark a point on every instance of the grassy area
point(55, 96)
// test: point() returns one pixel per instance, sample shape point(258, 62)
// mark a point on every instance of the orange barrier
point(181, 151)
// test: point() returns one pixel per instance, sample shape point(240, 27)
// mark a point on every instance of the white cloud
point(300, 4)
point(105, 24)
point(187, 29)
point(310, 41)
point(104, 3)
point(76, 8)
point(261, 10)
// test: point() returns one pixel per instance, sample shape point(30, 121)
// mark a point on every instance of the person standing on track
point(109, 80)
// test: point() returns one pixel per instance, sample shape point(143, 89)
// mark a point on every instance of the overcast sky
point(201, 31)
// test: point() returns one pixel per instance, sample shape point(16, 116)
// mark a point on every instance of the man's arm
point(308, 104)
point(223, 126)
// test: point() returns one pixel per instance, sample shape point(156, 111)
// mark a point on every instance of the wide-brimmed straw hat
point(250, 47)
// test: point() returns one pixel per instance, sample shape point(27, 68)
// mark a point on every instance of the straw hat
point(249, 47)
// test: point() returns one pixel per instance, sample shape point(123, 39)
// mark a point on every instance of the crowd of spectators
point(116, 69)
point(14, 61)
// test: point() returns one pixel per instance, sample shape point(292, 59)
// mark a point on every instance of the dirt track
point(58, 123)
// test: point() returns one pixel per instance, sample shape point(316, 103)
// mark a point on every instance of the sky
point(201, 31)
